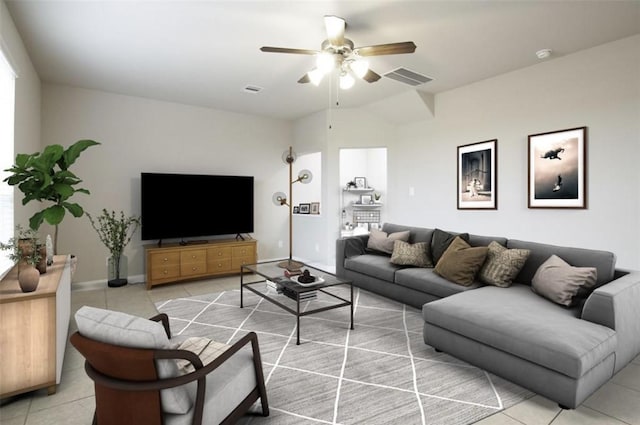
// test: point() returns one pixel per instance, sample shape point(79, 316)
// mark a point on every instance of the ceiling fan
point(339, 52)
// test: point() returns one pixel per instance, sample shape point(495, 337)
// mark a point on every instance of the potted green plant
point(25, 251)
point(45, 176)
point(115, 232)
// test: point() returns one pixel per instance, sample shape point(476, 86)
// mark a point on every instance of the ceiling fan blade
point(287, 50)
point(335, 27)
point(371, 77)
point(387, 49)
point(304, 79)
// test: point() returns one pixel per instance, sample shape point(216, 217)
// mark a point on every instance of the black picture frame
point(477, 182)
point(557, 169)
point(296, 209)
point(305, 209)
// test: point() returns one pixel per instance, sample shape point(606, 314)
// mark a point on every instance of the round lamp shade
point(289, 157)
point(279, 198)
point(305, 176)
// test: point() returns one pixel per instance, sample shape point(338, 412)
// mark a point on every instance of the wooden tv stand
point(173, 262)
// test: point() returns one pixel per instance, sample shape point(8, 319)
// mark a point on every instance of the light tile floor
point(617, 402)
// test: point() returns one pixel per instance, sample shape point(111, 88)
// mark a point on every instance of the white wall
point(598, 88)
point(27, 108)
point(328, 132)
point(146, 135)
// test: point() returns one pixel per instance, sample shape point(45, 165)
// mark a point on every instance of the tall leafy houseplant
point(45, 176)
point(115, 232)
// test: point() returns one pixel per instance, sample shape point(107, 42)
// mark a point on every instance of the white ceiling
point(205, 52)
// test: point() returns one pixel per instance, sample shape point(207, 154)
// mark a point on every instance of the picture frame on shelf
point(557, 165)
point(296, 209)
point(361, 182)
point(305, 208)
point(315, 208)
point(478, 175)
point(366, 199)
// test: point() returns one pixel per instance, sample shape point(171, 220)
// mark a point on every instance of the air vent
point(252, 89)
point(405, 76)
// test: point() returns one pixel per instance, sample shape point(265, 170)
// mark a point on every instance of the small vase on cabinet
point(117, 270)
point(28, 277)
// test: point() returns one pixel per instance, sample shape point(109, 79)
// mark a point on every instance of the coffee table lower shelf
point(266, 270)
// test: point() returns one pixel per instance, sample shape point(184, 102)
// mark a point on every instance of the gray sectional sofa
point(562, 353)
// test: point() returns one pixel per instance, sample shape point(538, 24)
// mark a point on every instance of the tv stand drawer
point(219, 266)
point(174, 263)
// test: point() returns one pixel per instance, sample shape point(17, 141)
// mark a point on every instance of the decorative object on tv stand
point(280, 199)
point(46, 177)
point(25, 251)
point(115, 232)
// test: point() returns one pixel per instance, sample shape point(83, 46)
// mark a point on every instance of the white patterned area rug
point(381, 372)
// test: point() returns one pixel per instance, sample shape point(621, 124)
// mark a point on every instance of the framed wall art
point(366, 199)
point(361, 182)
point(558, 169)
point(305, 208)
point(315, 208)
point(477, 176)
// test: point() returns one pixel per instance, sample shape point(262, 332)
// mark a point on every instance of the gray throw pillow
point(460, 262)
point(380, 241)
point(441, 241)
point(562, 283)
point(406, 254)
point(353, 246)
point(502, 265)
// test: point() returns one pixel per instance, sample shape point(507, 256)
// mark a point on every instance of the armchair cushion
point(117, 328)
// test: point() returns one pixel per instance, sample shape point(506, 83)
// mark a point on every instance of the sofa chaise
point(562, 352)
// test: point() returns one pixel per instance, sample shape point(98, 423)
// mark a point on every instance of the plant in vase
point(115, 232)
point(25, 251)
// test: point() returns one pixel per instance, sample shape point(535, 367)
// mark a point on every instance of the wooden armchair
point(130, 386)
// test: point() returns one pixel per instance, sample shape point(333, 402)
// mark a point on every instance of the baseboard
point(91, 285)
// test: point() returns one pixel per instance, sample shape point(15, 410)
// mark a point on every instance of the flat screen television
point(195, 205)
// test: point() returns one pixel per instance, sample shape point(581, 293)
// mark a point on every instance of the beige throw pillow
point(207, 349)
point(406, 254)
point(560, 282)
point(460, 262)
point(502, 265)
point(380, 241)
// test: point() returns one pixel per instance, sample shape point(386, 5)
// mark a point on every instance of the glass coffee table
point(287, 294)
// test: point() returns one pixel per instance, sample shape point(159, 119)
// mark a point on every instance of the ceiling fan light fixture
point(335, 26)
point(359, 67)
point(325, 62)
point(346, 81)
point(315, 76)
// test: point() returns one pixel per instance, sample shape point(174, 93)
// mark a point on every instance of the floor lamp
point(280, 199)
